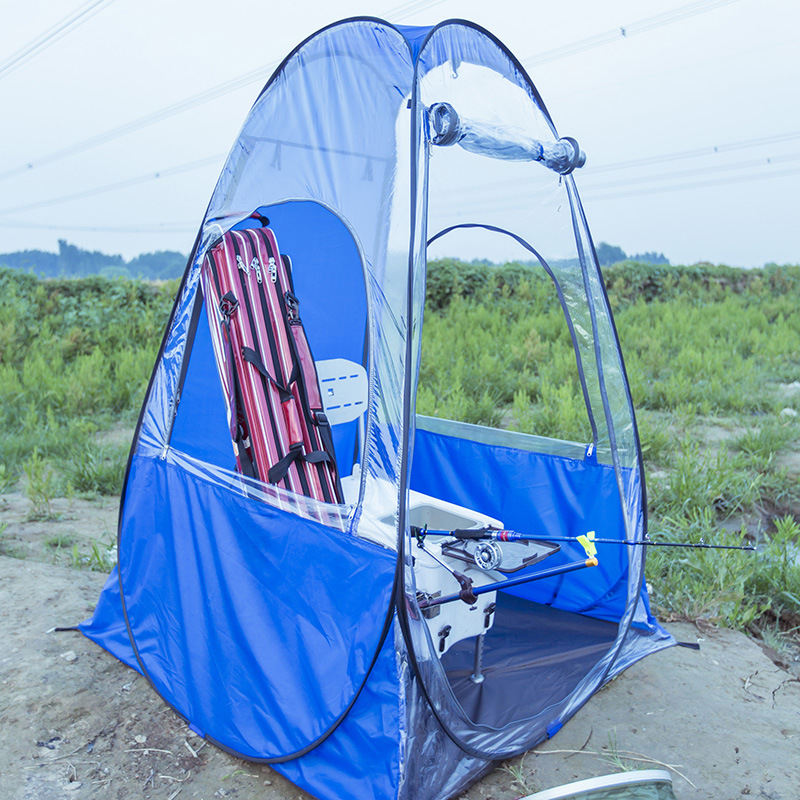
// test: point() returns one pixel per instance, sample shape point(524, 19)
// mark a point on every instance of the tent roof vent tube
point(506, 143)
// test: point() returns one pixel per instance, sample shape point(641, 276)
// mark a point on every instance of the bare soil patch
point(76, 723)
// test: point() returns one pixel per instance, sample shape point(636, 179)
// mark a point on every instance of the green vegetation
point(709, 352)
point(608, 254)
point(97, 469)
point(514, 351)
point(41, 486)
point(75, 358)
point(713, 356)
point(101, 557)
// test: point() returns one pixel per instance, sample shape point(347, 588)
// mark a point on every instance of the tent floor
point(533, 656)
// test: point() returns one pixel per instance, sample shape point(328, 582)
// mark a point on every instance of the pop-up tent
point(319, 636)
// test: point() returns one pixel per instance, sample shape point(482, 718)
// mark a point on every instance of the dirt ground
point(76, 723)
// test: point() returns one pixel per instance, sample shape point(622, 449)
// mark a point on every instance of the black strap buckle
point(292, 305)
point(228, 304)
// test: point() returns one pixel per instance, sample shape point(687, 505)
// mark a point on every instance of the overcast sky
point(696, 109)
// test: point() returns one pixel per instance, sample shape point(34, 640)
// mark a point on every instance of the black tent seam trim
point(132, 452)
point(190, 337)
point(628, 397)
point(561, 299)
point(393, 602)
point(400, 602)
point(575, 204)
point(317, 742)
point(316, 33)
point(387, 624)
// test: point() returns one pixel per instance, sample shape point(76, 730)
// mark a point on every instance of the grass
point(711, 353)
point(700, 480)
point(519, 777)
point(611, 755)
point(706, 350)
point(58, 541)
point(75, 358)
point(768, 438)
point(7, 480)
point(704, 584)
point(100, 558)
point(97, 470)
point(41, 486)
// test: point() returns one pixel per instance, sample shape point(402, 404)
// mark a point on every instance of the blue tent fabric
point(235, 599)
point(538, 494)
point(202, 406)
point(291, 631)
point(106, 626)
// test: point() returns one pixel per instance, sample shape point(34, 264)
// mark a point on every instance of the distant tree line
point(607, 254)
point(74, 262)
point(611, 254)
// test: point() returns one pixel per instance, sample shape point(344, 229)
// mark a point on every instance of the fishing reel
point(488, 555)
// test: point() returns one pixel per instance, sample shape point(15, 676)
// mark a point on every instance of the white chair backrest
point(343, 385)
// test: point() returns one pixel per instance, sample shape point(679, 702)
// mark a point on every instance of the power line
point(637, 188)
point(144, 122)
point(509, 187)
point(707, 150)
point(626, 31)
point(111, 187)
point(695, 152)
point(180, 107)
point(593, 195)
point(200, 163)
point(51, 36)
point(181, 227)
point(682, 187)
point(688, 173)
point(163, 227)
point(253, 75)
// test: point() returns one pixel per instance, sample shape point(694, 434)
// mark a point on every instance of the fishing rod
point(466, 594)
point(429, 602)
point(469, 593)
point(493, 534)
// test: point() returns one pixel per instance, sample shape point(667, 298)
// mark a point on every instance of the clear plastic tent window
point(385, 615)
